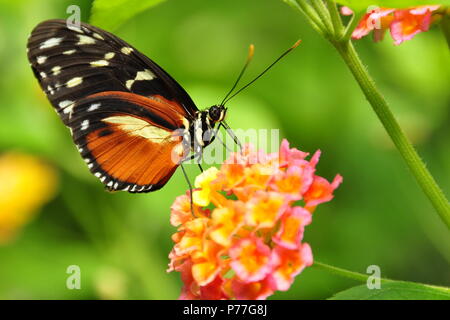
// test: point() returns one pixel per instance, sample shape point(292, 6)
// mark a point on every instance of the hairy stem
point(404, 146)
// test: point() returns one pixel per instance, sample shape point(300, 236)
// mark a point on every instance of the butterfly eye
point(215, 113)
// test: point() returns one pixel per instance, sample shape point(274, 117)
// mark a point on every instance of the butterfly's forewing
point(120, 106)
point(71, 63)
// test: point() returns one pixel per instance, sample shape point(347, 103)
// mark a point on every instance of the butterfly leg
point(221, 141)
point(190, 186)
point(199, 155)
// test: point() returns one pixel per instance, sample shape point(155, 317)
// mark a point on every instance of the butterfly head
point(217, 113)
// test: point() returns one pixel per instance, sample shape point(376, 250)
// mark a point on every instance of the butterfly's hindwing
point(128, 141)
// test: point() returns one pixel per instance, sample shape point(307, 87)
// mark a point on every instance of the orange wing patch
point(136, 155)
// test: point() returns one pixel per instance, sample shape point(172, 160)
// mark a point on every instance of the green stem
point(306, 10)
point(361, 277)
point(335, 18)
point(404, 146)
point(341, 272)
point(351, 26)
point(323, 14)
point(345, 48)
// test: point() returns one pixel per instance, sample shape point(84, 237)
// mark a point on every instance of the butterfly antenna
point(251, 51)
point(262, 73)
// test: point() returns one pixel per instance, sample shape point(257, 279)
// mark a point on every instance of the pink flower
point(404, 24)
point(249, 242)
point(321, 191)
point(292, 226)
point(377, 20)
point(251, 259)
point(291, 263)
point(407, 23)
point(258, 290)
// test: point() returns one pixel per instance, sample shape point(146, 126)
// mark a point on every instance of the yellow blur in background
point(26, 183)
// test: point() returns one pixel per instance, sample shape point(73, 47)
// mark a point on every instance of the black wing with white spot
point(74, 62)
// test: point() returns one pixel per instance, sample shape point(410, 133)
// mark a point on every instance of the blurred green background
point(121, 241)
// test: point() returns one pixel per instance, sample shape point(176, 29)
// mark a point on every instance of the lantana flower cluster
point(242, 239)
point(403, 24)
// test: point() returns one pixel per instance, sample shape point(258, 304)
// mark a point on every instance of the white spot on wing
point(43, 75)
point(41, 59)
point(145, 75)
point(140, 76)
point(85, 124)
point(109, 55)
point(74, 82)
point(85, 39)
point(69, 52)
point(129, 83)
point(56, 70)
point(99, 63)
point(65, 103)
point(74, 28)
point(93, 106)
point(96, 35)
point(69, 109)
point(126, 50)
point(49, 43)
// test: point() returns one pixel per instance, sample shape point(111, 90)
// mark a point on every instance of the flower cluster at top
point(243, 237)
point(403, 24)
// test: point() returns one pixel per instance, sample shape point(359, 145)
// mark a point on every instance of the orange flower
point(251, 259)
point(227, 220)
point(404, 24)
point(258, 290)
point(264, 209)
point(251, 243)
point(407, 23)
point(201, 197)
point(378, 20)
point(321, 191)
point(290, 263)
point(291, 229)
point(206, 262)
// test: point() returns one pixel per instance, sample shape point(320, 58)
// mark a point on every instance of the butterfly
point(132, 123)
point(128, 118)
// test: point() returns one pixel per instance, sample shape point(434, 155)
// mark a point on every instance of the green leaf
point(360, 5)
point(110, 14)
point(395, 290)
